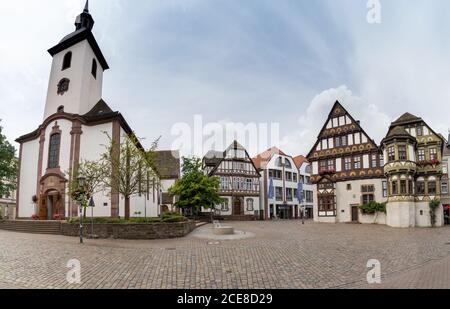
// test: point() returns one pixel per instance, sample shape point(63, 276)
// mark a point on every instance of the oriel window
point(391, 154)
point(402, 152)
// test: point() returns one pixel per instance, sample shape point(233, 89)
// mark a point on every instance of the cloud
point(301, 140)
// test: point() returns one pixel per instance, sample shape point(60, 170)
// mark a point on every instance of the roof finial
point(86, 7)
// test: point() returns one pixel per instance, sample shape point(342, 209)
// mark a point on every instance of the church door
point(43, 208)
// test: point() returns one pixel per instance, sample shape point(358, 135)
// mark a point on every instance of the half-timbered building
point(413, 154)
point(347, 169)
point(239, 182)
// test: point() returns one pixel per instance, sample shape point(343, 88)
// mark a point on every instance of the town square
point(280, 255)
point(186, 145)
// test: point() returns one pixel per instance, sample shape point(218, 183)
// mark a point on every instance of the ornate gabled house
point(279, 184)
point(347, 169)
point(72, 131)
point(413, 154)
point(239, 182)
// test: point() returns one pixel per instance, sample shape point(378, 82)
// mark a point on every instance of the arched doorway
point(50, 205)
point(51, 197)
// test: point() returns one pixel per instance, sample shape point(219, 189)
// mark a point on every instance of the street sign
point(91, 202)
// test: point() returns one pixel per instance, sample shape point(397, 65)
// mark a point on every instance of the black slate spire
point(84, 20)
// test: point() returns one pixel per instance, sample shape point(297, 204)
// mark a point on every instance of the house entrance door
point(237, 207)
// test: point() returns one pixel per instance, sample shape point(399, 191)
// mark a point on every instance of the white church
point(72, 131)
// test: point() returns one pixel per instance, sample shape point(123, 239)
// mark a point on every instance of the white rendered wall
point(400, 214)
point(348, 198)
point(84, 90)
point(423, 219)
point(92, 143)
point(28, 178)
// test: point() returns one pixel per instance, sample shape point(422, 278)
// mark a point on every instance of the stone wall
point(132, 231)
point(379, 218)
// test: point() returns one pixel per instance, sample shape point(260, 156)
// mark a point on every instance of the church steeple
point(84, 20)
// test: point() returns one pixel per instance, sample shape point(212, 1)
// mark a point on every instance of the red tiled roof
point(266, 156)
point(299, 160)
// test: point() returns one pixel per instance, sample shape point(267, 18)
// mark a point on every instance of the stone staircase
point(32, 227)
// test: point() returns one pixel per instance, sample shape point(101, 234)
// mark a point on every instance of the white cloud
point(373, 121)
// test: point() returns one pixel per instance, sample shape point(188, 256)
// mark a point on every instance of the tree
point(93, 174)
point(127, 167)
point(194, 189)
point(8, 166)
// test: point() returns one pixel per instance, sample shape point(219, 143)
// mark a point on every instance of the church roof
point(100, 109)
point(167, 163)
point(83, 31)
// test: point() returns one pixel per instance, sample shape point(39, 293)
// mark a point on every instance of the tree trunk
point(127, 208)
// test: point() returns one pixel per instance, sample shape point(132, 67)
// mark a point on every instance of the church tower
point(76, 78)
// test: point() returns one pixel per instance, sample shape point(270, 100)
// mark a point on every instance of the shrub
point(434, 204)
point(373, 207)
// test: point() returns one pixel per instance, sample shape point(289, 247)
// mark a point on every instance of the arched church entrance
point(51, 198)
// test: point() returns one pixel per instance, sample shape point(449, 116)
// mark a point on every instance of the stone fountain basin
point(224, 230)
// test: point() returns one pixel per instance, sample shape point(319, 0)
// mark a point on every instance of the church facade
point(349, 169)
point(73, 130)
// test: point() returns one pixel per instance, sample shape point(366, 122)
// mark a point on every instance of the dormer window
point(94, 68)
point(67, 62)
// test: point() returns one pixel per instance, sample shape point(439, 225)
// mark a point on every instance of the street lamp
point(81, 182)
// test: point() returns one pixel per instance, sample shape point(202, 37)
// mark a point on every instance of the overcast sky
point(254, 61)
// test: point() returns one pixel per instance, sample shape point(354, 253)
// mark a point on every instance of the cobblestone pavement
point(281, 255)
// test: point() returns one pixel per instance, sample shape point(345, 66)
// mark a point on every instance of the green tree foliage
point(195, 189)
point(8, 166)
point(373, 207)
point(434, 205)
point(127, 168)
point(93, 175)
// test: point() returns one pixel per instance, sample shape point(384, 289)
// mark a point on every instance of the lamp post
point(81, 182)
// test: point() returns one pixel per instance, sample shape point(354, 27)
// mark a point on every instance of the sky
point(273, 62)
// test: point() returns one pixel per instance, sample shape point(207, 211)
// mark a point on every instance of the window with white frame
point(250, 204)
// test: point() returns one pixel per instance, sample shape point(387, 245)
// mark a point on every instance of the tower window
point(63, 86)
point(67, 62)
point(53, 153)
point(94, 68)
point(61, 109)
